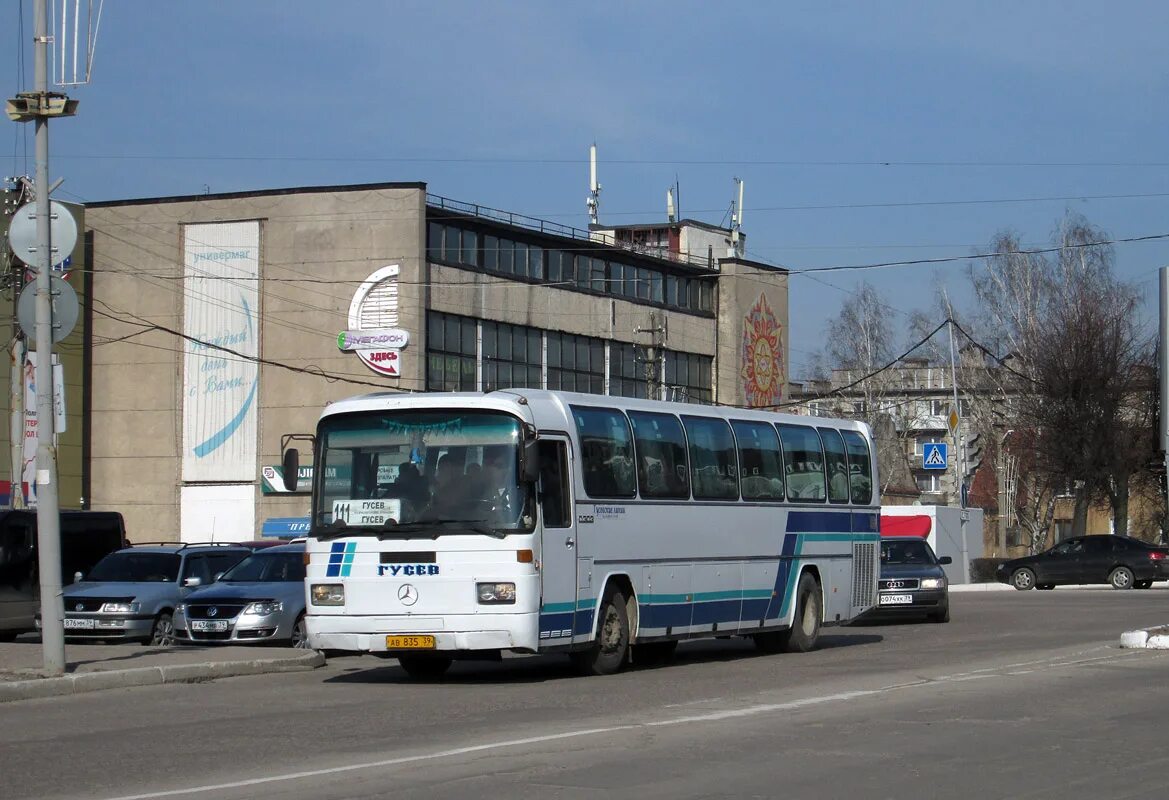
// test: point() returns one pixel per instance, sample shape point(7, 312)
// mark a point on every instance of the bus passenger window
point(607, 452)
point(554, 485)
point(661, 455)
point(713, 468)
point(860, 468)
point(760, 461)
point(835, 465)
point(803, 463)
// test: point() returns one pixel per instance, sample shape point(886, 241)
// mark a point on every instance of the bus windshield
point(436, 471)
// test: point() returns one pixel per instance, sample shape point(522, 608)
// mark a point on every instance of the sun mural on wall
point(762, 370)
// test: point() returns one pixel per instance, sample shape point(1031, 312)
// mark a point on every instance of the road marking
point(714, 716)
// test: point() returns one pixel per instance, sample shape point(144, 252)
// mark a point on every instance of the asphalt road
point(1021, 695)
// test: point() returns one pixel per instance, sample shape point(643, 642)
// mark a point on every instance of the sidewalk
point(1004, 587)
point(92, 667)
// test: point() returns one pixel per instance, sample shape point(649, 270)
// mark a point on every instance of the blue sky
point(913, 110)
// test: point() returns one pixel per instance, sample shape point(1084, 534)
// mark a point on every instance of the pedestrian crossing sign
point(933, 456)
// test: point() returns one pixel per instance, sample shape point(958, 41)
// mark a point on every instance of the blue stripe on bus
point(819, 522)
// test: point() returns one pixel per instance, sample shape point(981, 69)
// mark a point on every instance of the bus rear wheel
point(608, 653)
point(425, 668)
point(801, 637)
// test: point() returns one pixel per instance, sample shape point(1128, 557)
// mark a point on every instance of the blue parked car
point(260, 600)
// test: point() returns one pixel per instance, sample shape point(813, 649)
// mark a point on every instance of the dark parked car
point(912, 581)
point(1121, 561)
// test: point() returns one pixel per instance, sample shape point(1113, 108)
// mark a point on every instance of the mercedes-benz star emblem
point(213, 611)
point(407, 594)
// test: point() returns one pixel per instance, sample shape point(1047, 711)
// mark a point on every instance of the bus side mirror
point(944, 560)
point(291, 468)
point(530, 461)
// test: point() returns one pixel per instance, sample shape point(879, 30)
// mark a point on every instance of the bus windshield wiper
point(436, 527)
point(333, 530)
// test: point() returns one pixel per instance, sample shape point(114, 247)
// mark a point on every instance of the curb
point(1146, 638)
point(11, 691)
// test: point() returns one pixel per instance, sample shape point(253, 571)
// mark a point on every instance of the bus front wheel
point(609, 652)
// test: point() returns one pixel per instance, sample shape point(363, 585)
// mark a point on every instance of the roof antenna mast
point(594, 198)
point(737, 222)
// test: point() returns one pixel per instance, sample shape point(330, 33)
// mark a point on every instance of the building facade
point(223, 323)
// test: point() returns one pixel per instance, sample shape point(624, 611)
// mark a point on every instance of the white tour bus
point(525, 521)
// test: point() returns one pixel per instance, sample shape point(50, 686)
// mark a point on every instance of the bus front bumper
point(463, 632)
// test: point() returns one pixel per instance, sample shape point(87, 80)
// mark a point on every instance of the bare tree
point(1078, 359)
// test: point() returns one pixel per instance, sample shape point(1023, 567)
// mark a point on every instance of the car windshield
point(128, 566)
point(439, 472)
point(911, 551)
point(267, 567)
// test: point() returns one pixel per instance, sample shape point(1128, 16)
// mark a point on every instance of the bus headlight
point(496, 593)
point(933, 583)
point(327, 594)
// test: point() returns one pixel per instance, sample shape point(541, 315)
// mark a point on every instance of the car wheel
point(1121, 578)
point(425, 668)
point(1143, 585)
point(1023, 579)
point(300, 634)
point(163, 633)
point(608, 653)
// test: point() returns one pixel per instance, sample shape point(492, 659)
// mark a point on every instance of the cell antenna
point(670, 215)
point(737, 222)
point(594, 198)
point(75, 26)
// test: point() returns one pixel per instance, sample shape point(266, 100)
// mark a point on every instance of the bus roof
point(549, 409)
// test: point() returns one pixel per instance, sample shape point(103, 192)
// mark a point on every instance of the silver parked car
point(260, 600)
point(132, 593)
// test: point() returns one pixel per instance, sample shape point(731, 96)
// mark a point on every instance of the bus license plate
point(896, 599)
point(410, 643)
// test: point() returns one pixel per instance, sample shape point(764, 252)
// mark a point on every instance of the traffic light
point(973, 456)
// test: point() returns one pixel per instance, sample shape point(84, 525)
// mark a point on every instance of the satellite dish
point(65, 309)
point(22, 233)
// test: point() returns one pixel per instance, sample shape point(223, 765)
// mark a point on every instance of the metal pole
point(1163, 362)
point(960, 465)
point(48, 514)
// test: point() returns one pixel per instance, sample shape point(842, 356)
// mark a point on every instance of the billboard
point(220, 373)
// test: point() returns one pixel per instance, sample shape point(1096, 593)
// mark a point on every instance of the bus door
point(558, 545)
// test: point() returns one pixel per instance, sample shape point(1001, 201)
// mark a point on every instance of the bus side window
point(714, 472)
point(662, 471)
point(554, 485)
point(860, 467)
point(803, 462)
point(760, 461)
point(835, 465)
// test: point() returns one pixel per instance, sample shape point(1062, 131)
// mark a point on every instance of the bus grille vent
point(864, 579)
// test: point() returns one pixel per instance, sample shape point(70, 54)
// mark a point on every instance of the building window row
point(464, 354)
point(451, 244)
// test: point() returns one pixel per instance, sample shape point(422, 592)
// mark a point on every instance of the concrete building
point(222, 323)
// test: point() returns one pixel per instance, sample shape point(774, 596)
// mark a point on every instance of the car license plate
point(410, 643)
point(80, 623)
point(208, 624)
point(896, 599)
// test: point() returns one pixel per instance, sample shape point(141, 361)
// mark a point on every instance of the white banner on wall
point(220, 375)
point(31, 429)
point(223, 513)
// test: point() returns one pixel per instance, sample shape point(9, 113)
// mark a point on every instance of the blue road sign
point(933, 456)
